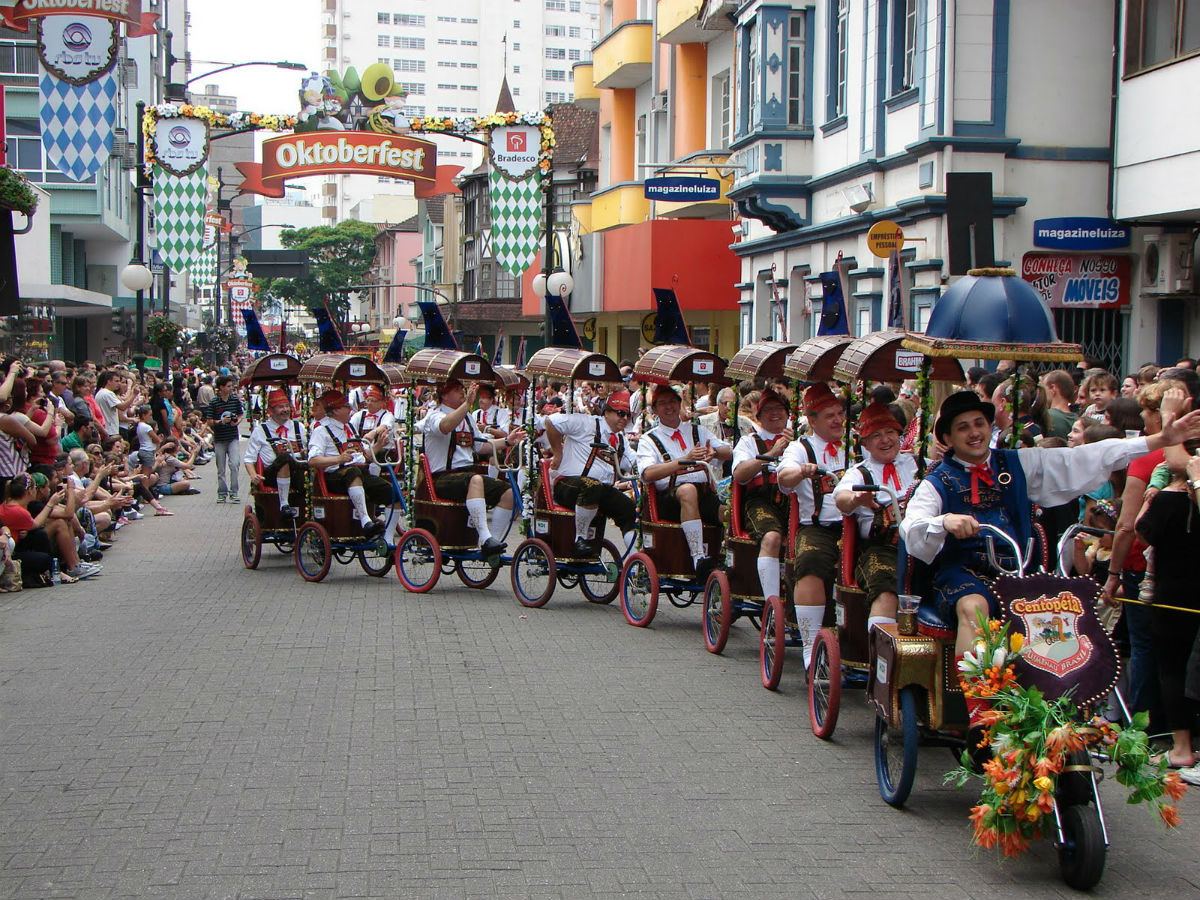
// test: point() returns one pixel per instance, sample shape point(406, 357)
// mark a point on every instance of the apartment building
point(660, 77)
point(451, 56)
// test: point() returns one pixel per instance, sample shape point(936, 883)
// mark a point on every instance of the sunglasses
point(622, 413)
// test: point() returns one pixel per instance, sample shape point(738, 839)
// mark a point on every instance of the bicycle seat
point(931, 624)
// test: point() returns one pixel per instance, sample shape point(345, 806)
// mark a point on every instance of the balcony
point(622, 58)
point(699, 209)
point(586, 93)
point(679, 22)
point(621, 204)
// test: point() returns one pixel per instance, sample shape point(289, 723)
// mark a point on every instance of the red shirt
point(46, 449)
point(18, 520)
point(1142, 469)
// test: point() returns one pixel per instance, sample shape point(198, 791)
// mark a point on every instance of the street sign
point(1080, 233)
point(885, 238)
point(648, 327)
point(277, 263)
point(682, 190)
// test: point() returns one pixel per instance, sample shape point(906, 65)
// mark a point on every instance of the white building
point(451, 57)
point(848, 112)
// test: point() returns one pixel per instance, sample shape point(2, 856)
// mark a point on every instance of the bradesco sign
point(338, 153)
point(1080, 233)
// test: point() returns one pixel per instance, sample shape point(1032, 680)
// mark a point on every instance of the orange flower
point(1046, 803)
point(1174, 786)
point(1169, 814)
point(1013, 844)
point(986, 838)
point(1063, 739)
point(994, 625)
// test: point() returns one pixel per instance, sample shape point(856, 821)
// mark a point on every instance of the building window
point(556, 96)
point(516, 92)
point(408, 43)
point(1158, 31)
point(410, 20)
point(468, 65)
point(23, 150)
point(795, 69)
point(447, 87)
point(414, 111)
point(573, 31)
point(467, 21)
point(506, 284)
point(839, 52)
point(468, 87)
point(447, 18)
point(448, 42)
point(556, 75)
point(516, 48)
point(383, 41)
point(753, 74)
point(556, 30)
point(516, 70)
point(516, 23)
point(446, 64)
point(383, 18)
point(574, 6)
point(556, 5)
point(574, 55)
point(556, 53)
point(904, 45)
point(411, 87)
point(721, 110)
point(447, 109)
point(385, 60)
point(410, 65)
point(470, 43)
point(641, 143)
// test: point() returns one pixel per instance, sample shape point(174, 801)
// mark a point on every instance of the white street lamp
point(136, 277)
point(560, 283)
point(539, 284)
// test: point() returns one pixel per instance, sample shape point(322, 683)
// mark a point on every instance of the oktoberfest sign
point(128, 11)
point(343, 153)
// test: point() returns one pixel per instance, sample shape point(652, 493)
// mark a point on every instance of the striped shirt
point(223, 432)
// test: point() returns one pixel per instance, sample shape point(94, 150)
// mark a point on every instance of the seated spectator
point(38, 522)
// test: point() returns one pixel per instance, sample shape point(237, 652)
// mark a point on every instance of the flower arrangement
point(467, 124)
point(210, 116)
point(16, 192)
point(1032, 740)
point(163, 332)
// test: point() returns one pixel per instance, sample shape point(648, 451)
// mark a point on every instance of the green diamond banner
point(203, 269)
point(516, 220)
point(179, 217)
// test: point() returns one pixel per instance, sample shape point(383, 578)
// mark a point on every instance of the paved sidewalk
point(185, 728)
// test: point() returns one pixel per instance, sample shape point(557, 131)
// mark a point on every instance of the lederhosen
point(764, 505)
point(378, 490)
point(875, 567)
point(817, 550)
point(962, 564)
point(452, 483)
point(287, 453)
point(572, 490)
point(668, 506)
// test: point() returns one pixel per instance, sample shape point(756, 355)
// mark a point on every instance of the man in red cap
point(875, 569)
point(276, 443)
point(586, 473)
point(373, 422)
point(493, 420)
point(764, 507)
point(673, 459)
point(334, 448)
point(453, 442)
point(812, 467)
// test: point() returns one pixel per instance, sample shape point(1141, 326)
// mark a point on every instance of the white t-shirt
point(108, 403)
point(437, 445)
point(579, 431)
point(747, 448)
point(144, 431)
point(831, 461)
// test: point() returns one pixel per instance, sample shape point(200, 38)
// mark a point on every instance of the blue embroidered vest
point(1006, 506)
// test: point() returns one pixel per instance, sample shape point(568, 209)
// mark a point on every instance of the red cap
point(448, 386)
point(332, 400)
point(278, 397)
point(663, 390)
point(618, 400)
point(876, 417)
point(770, 396)
point(373, 392)
point(817, 397)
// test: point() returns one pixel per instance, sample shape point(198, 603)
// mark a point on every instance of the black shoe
point(704, 568)
point(91, 556)
point(289, 512)
point(103, 545)
point(492, 547)
point(373, 529)
point(583, 549)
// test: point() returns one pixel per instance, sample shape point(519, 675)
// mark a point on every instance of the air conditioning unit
point(1168, 263)
point(659, 102)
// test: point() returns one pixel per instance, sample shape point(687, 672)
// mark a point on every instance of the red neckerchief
point(832, 448)
point(890, 474)
point(980, 472)
point(678, 438)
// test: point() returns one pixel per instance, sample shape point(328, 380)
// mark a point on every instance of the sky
point(228, 31)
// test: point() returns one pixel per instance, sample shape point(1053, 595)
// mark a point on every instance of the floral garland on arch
point(214, 119)
point(469, 124)
point(1032, 742)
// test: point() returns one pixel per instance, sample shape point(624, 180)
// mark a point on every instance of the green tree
point(339, 256)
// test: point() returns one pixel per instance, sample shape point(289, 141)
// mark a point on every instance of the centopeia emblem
point(1055, 644)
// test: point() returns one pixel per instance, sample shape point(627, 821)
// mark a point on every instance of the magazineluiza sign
point(1079, 281)
point(681, 189)
point(1080, 233)
point(339, 153)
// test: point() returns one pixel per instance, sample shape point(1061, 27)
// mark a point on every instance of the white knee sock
point(393, 525)
point(768, 576)
point(809, 618)
point(583, 520)
point(358, 499)
point(501, 516)
point(477, 517)
point(693, 530)
point(285, 486)
point(872, 621)
point(629, 537)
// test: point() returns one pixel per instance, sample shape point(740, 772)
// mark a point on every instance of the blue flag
point(328, 339)
point(833, 306)
point(669, 327)
point(437, 332)
point(498, 356)
point(255, 338)
point(395, 350)
point(562, 328)
point(897, 294)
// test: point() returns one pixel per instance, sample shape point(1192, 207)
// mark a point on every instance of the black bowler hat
point(955, 405)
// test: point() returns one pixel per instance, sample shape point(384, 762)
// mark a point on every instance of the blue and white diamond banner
point(77, 123)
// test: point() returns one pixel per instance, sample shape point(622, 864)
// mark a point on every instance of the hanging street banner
point(1079, 281)
point(179, 216)
point(77, 49)
point(682, 190)
point(345, 153)
point(515, 149)
point(77, 123)
point(181, 144)
point(516, 220)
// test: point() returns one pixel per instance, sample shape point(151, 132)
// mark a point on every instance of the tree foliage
point(339, 255)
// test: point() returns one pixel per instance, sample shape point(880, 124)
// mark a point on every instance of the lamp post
point(294, 66)
point(136, 277)
point(557, 283)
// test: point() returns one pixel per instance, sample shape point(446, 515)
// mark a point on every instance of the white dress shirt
point(493, 417)
point(437, 445)
point(648, 455)
point(321, 442)
point(258, 447)
point(364, 420)
point(579, 431)
point(832, 465)
point(906, 471)
point(747, 448)
point(1053, 476)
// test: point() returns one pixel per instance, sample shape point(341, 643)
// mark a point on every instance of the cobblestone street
point(185, 728)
